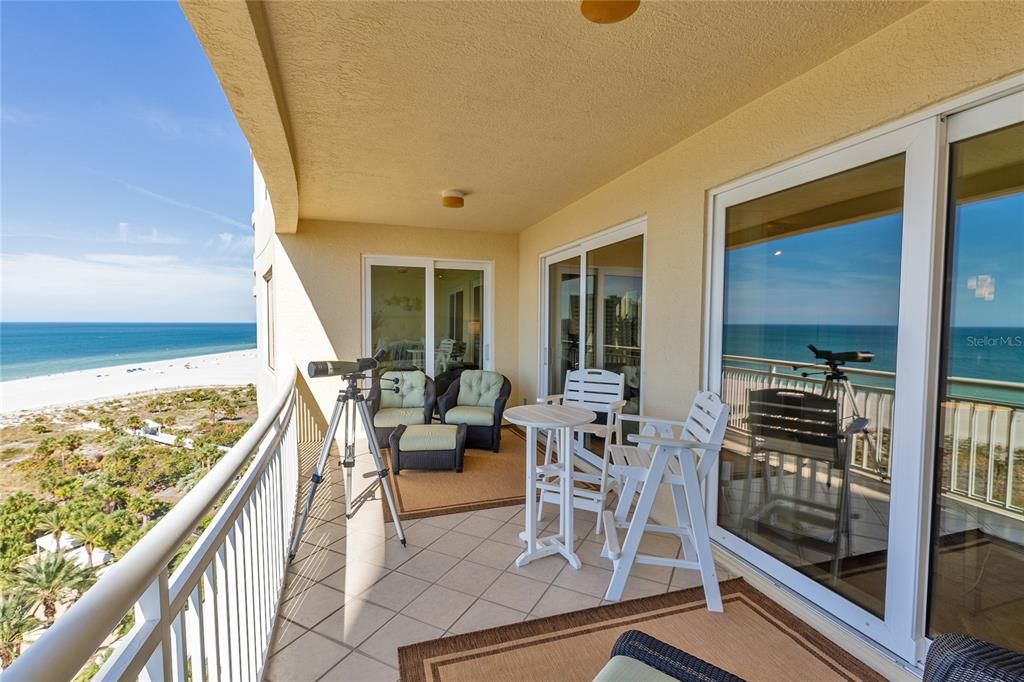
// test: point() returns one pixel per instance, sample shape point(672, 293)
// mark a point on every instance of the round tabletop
point(549, 416)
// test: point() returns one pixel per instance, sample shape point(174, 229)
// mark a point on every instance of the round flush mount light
point(608, 11)
point(453, 198)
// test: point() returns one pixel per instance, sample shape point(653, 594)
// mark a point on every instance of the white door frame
point(631, 228)
point(429, 265)
point(920, 251)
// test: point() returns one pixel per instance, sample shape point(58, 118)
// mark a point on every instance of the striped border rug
point(755, 639)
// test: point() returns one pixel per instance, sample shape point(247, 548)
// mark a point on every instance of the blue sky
point(126, 184)
point(781, 281)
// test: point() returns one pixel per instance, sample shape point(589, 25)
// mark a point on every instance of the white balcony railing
point(986, 437)
point(212, 619)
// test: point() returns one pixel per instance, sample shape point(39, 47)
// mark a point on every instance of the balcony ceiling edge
point(246, 68)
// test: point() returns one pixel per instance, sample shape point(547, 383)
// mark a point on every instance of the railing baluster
point(1011, 450)
point(179, 647)
point(211, 647)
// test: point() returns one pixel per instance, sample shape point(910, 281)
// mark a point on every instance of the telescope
point(831, 358)
point(330, 368)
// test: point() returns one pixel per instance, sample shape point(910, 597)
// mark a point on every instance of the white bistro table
point(559, 420)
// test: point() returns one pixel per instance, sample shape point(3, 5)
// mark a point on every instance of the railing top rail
point(993, 383)
point(73, 639)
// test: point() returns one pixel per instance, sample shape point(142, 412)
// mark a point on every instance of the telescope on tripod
point(837, 383)
point(350, 402)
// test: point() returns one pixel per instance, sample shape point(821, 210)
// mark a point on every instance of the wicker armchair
point(961, 658)
point(636, 653)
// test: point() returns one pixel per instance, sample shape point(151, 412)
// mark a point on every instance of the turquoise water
point(29, 349)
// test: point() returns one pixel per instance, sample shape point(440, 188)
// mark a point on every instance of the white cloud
point(234, 243)
point(129, 259)
point(134, 234)
point(115, 287)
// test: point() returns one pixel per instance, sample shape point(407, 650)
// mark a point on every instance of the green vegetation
point(81, 472)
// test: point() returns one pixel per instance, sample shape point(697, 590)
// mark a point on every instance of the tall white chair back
point(600, 391)
point(680, 455)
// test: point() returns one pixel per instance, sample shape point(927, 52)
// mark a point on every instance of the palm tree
point(71, 442)
point(55, 522)
point(16, 619)
point(52, 579)
point(90, 530)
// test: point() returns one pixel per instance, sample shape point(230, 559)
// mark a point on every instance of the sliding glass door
point(977, 549)
point(817, 340)
point(595, 321)
point(435, 316)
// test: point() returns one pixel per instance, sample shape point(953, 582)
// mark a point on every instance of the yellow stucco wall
point(934, 53)
point(318, 288)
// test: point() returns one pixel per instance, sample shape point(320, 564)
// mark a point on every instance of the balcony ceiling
point(524, 105)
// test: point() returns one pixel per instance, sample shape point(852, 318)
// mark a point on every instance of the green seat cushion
point(479, 388)
point(411, 386)
point(626, 669)
point(473, 416)
point(390, 417)
point(421, 437)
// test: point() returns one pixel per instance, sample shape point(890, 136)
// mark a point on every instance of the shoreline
point(68, 389)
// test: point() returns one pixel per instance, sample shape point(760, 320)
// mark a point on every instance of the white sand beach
point(236, 368)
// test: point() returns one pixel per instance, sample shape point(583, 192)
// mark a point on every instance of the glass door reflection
point(563, 321)
point(977, 560)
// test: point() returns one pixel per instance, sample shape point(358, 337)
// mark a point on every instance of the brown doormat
point(755, 639)
point(488, 479)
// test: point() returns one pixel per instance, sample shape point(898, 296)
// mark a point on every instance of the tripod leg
point(378, 461)
point(348, 461)
point(318, 473)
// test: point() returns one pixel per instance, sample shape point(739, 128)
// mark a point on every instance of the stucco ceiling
point(524, 105)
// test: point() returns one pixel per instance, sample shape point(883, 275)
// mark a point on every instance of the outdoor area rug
point(755, 639)
point(488, 479)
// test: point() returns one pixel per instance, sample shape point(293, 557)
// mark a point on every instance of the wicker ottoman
point(428, 446)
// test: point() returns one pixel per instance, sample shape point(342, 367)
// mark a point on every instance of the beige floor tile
point(484, 614)
point(307, 658)
point(494, 554)
point(295, 584)
point(502, 514)
point(355, 622)
point(637, 587)
point(399, 631)
point(545, 570)
point(428, 565)
point(479, 526)
point(423, 533)
point(313, 605)
point(560, 600)
point(362, 543)
point(469, 577)
point(395, 591)
point(359, 668)
point(395, 554)
point(439, 606)
point(684, 578)
point(285, 632)
point(324, 534)
point(447, 521)
point(319, 565)
point(589, 552)
point(508, 534)
point(455, 544)
point(306, 548)
point(515, 592)
point(587, 579)
point(356, 577)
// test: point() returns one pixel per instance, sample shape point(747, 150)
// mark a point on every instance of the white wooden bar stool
point(679, 455)
point(599, 391)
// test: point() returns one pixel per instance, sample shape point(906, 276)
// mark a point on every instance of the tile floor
point(354, 594)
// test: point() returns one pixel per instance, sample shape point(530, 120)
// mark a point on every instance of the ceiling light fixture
point(608, 11)
point(453, 198)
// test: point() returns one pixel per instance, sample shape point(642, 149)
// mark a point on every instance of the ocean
point(29, 349)
point(987, 353)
